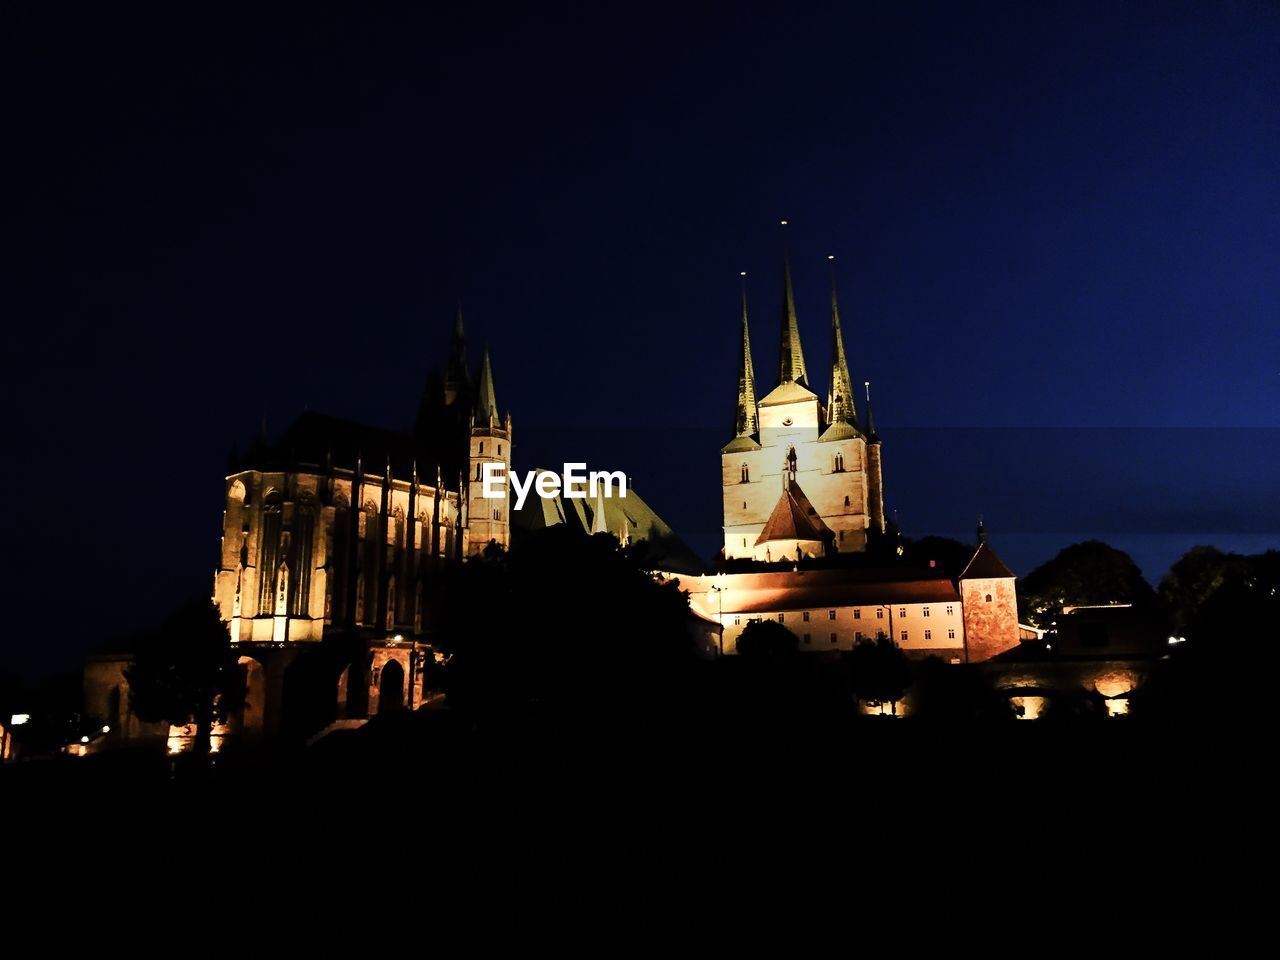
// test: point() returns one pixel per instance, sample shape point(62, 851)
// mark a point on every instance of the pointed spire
point(790, 355)
point(840, 403)
point(747, 422)
point(598, 524)
point(871, 420)
point(486, 402)
point(456, 378)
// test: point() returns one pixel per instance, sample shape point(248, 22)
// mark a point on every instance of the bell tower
point(488, 519)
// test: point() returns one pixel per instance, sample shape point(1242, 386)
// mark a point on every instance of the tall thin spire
point(840, 402)
point(456, 378)
point(871, 420)
point(486, 401)
point(747, 421)
point(790, 354)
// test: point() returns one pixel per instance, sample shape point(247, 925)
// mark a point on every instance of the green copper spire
point(486, 402)
point(748, 420)
point(840, 403)
point(790, 354)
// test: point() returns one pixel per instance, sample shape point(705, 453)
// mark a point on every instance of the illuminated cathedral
point(800, 478)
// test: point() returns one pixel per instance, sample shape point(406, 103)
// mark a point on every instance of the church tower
point(488, 520)
point(795, 478)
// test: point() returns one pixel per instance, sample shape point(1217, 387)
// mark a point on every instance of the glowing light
point(84, 739)
point(830, 256)
point(783, 222)
point(18, 719)
point(106, 729)
point(1174, 641)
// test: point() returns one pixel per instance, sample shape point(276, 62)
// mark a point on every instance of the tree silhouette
point(1084, 573)
point(570, 621)
point(767, 641)
point(880, 671)
point(186, 672)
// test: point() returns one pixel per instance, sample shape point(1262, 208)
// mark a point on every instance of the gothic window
point(268, 552)
point(499, 449)
point(746, 474)
point(928, 634)
point(926, 611)
point(478, 471)
point(988, 598)
point(744, 504)
point(302, 548)
point(839, 462)
point(951, 634)
point(482, 448)
point(846, 501)
point(806, 616)
point(904, 636)
point(831, 614)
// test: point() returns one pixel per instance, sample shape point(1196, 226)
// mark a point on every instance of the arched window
point(746, 474)
point(268, 552)
point(839, 467)
point(482, 448)
point(302, 547)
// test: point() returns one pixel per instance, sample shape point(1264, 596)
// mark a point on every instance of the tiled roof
point(793, 518)
point(985, 565)
point(816, 589)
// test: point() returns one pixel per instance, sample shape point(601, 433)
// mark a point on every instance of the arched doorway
point(391, 687)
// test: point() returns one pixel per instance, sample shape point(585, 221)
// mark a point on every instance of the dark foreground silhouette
point(713, 809)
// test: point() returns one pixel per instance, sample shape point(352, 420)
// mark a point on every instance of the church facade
point(805, 540)
point(800, 478)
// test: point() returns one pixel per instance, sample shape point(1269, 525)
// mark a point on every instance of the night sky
point(1056, 233)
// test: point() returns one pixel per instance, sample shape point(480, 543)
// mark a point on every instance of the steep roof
point(486, 401)
point(747, 417)
point(793, 518)
point(789, 392)
point(814, 589)
point(626, 516)
point(985, 565)
point(790, 353)
point(840, 400)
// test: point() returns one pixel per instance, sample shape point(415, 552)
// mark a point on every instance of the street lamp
point(718, 589)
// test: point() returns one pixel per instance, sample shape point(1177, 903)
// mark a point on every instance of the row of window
point(904, 636)
point(857, 614)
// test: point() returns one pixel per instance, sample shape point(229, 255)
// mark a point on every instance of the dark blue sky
point(1057, 230)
